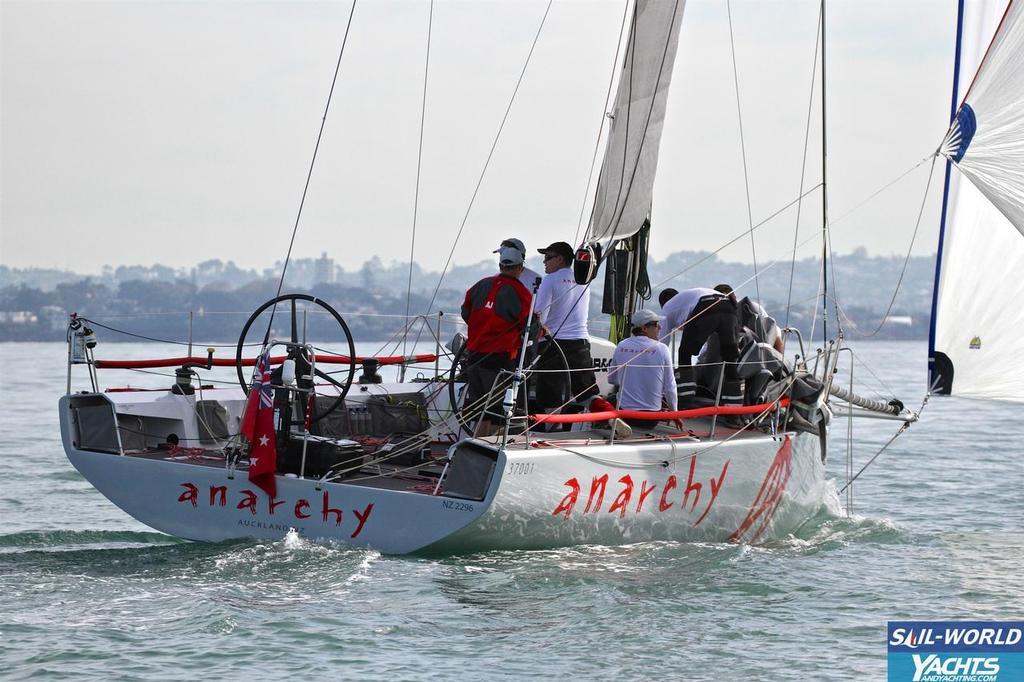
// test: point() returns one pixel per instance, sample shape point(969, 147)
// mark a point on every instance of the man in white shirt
point(529, 278)
point(562, 306)
point(698, 313)
point(642, 369)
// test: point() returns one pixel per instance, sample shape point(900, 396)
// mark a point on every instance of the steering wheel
point(299, 354)
point(458, 373)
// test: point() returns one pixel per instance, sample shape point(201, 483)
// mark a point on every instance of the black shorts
point(557, 386)
point(711, 315)
point(482, 370)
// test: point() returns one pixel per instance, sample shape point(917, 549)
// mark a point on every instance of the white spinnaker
point(980, 293)
point(623, 197)
point(994, 160)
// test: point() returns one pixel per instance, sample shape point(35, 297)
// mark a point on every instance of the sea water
point(937, 532)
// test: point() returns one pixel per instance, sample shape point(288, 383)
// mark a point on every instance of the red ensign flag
point(258, 428)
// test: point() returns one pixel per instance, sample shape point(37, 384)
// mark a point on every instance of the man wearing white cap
point(642, 368)
point(529, 278)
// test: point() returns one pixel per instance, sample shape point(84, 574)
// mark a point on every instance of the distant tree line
point(155, 301)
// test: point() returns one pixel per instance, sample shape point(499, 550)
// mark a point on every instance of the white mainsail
point(623, 197)
point(979, 291)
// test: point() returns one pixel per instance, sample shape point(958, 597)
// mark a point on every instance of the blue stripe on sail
point(945, 197)
point(968, 125)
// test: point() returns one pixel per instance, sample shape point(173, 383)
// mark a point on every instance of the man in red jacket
point(496, 309)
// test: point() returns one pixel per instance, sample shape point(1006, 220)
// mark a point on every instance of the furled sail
point(976, 333)
point(623, 197)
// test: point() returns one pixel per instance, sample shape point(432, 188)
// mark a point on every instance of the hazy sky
point(173, 132)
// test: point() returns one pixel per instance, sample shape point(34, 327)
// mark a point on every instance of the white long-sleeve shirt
point(562, 305)
point(642, 369)
point(678, 309)
point(528, 277)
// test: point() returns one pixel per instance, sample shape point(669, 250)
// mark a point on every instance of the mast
point(824, 189)
point(940, 381)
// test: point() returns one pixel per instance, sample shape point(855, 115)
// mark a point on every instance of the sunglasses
point(549, 257)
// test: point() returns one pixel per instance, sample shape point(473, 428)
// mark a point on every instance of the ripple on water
point(87, 592)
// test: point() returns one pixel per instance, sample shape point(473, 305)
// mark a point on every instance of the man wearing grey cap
point(529, 278)
point(642, 369)
point(495, 310)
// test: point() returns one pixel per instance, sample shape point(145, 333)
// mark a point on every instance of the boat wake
point(80, 540)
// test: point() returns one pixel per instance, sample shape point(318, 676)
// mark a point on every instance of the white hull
point(744, 491)
point(748, 489)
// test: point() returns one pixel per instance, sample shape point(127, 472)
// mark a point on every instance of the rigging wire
point(490, 155)
point(743, 151)
point(416, 195)
point(605, 115)
point(817, 295)
point(862, 363)
point(835, 288)
point(854, 209)
point(614, 220)
point(736, 238)
point(483, 173)
point(824, 186)
point(312, 162)
point(156, 340)
point(910, 249)
point(803, 166)
point(631, 48)
point(883, 188)
point(899, 432)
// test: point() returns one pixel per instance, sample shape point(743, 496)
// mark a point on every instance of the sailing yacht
point(304, 444)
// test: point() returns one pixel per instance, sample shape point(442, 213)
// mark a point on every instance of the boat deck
point(423, 475)
point(696, 430)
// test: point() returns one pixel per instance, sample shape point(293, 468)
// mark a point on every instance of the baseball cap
point(514, 243)
point(644, 317)
point(510, 255)
point(559, 249)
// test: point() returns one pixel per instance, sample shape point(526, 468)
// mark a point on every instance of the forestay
point(623, 197)
point(976, 334)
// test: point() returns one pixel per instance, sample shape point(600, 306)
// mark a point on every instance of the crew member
point(529, 278)
point(562, 306)
point(698, 313)
point(641, 367)
point(496, 309)
point(752, 315)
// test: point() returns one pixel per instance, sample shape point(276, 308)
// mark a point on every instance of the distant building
point(54, 316)
point(18, 317)
point(323, 270)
